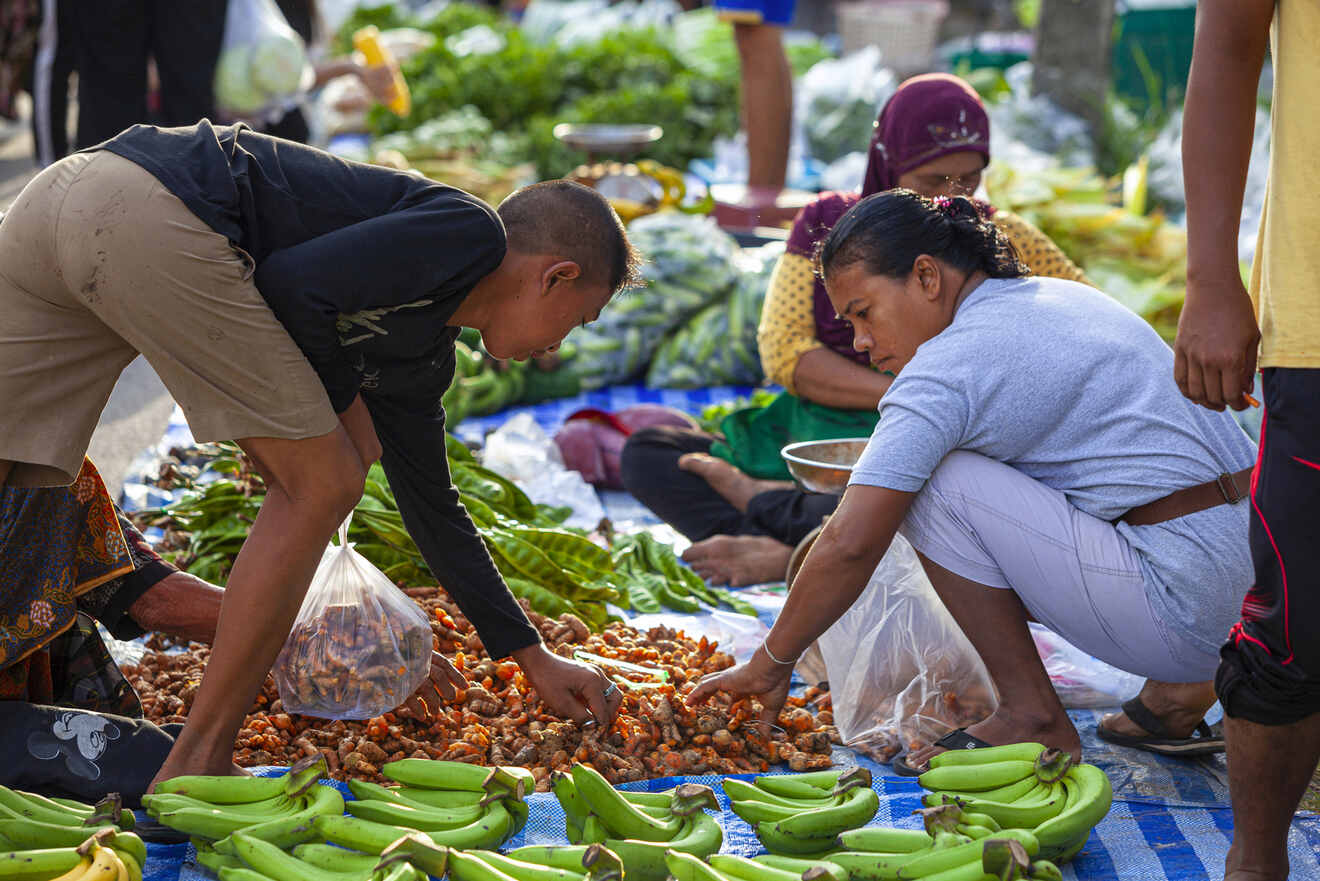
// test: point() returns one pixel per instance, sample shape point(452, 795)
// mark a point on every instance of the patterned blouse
point(788, 326)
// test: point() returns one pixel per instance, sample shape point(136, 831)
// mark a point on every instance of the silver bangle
point(765, 646)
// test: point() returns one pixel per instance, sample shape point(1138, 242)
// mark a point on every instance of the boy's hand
point(1215, 352)
point(356, 420)
point(571, 689)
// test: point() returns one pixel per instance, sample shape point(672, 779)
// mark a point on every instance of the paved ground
point(139, 409)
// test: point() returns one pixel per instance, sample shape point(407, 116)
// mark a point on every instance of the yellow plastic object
point(367, 41)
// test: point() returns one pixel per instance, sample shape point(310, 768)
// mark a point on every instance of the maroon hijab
point(930, 116)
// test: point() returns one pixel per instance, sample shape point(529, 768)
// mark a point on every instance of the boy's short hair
point(573, 221)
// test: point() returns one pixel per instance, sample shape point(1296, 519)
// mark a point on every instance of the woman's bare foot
point(739, 560)
point(736, 487)
point(1179, 705)
point(1005, 725)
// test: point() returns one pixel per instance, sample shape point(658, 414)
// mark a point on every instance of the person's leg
point(985, 529)
point(185, 41)
point(1269, 680)
point(311, 486)
point(786, 516)
point(732, 483)
point(683, 499)
point(995, 623)
point(767, 94)
point(112, 67)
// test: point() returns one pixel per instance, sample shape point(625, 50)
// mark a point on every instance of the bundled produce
point(100, 855)
point(556, 570)
point(989, 854)
point(1024, 786)
point(573, 863)
point(499, 719)
point(252, 859)
point(1138, 259)
point(718, 345)
point(650, 576)
point(690, 265)
point(478, 388)
point(644, 829)
point(262, 62)
point(803, 814)
point(274, 809)
point(44, 838)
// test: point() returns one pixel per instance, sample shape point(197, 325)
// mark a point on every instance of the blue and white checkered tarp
point(1170, 820)
point(1141, 840)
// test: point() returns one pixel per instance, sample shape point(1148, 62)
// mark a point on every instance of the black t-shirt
point(364, 266)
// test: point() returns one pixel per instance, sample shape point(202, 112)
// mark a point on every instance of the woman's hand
point(760, 677)
point(378, 80)
point(1214, 356)
point(444, 681)
point(357, 422)
point(571, 689)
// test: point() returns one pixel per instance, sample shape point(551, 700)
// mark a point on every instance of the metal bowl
point(823, 466)
point(600, 139)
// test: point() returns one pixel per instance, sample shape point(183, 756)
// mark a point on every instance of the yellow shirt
point(1285, 278)
point(788, 324)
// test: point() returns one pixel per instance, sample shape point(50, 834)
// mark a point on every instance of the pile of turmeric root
point(499, 720)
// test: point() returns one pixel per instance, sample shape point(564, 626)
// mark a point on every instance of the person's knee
point(323, 475)
point(646, 453)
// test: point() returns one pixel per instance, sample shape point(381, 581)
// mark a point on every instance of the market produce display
point(690, 265)
point(43, 838)
point(1024, 786)
point(274, 809)
point(645, 830)
point(499, 720)
point(104, 855)
point(717, 346)
point(556, 570)
point(804, 814)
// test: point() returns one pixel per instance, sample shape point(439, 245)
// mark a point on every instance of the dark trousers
point(115, 38)
point(53, 62)
point(687, 502)
point(1270, 670)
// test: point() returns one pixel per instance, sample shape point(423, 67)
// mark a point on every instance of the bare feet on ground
point(736, 487)
point(739, 560)
point(1179, 705)
point(1006, 726)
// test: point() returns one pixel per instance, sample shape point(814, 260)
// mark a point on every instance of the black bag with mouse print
point(81, 754)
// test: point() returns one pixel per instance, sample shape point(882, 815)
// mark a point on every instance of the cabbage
point(278, 62)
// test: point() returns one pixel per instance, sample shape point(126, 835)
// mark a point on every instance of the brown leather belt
point(1226, 489)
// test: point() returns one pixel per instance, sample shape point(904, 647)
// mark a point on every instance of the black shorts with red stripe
point(1270, 669)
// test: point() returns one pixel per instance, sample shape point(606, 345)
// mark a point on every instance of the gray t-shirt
point(1064, 384)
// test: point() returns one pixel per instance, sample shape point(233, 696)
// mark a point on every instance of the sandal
point(956, 739)
point(1159, 740)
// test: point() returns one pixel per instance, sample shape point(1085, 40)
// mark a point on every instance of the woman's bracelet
point(765, 646)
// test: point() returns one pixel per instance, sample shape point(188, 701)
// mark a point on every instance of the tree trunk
point(1073, 48)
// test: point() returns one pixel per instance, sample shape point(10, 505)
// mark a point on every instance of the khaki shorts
point(98, 263)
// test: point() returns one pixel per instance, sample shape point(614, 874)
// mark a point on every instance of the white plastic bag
point(838, 100)
point(359, 646)
point(901, 672)
point(263, 62)
point(1082, 682)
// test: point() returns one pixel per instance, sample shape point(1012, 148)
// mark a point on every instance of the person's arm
point(828, 378)
point(788, 329)
point(1038, 250)
point(411, 429)
point(438, 236)
point(1215, 351)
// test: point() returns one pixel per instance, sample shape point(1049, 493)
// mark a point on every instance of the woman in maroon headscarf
point(933, 136)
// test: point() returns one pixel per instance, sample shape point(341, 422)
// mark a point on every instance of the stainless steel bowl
point(823, 466)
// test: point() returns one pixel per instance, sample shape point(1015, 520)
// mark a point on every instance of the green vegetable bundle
point(478, 388)
point(557, 570)
point(691, 264)
point(718, 345)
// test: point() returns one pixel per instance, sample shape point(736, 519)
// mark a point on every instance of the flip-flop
point(1203, 742)
point(956, 739)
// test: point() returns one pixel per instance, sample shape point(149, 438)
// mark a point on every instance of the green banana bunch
point(212, 808)
point(109, 811)
point(804, 814)
point(1024, 786)
point(95, 859)
point(640, 827)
